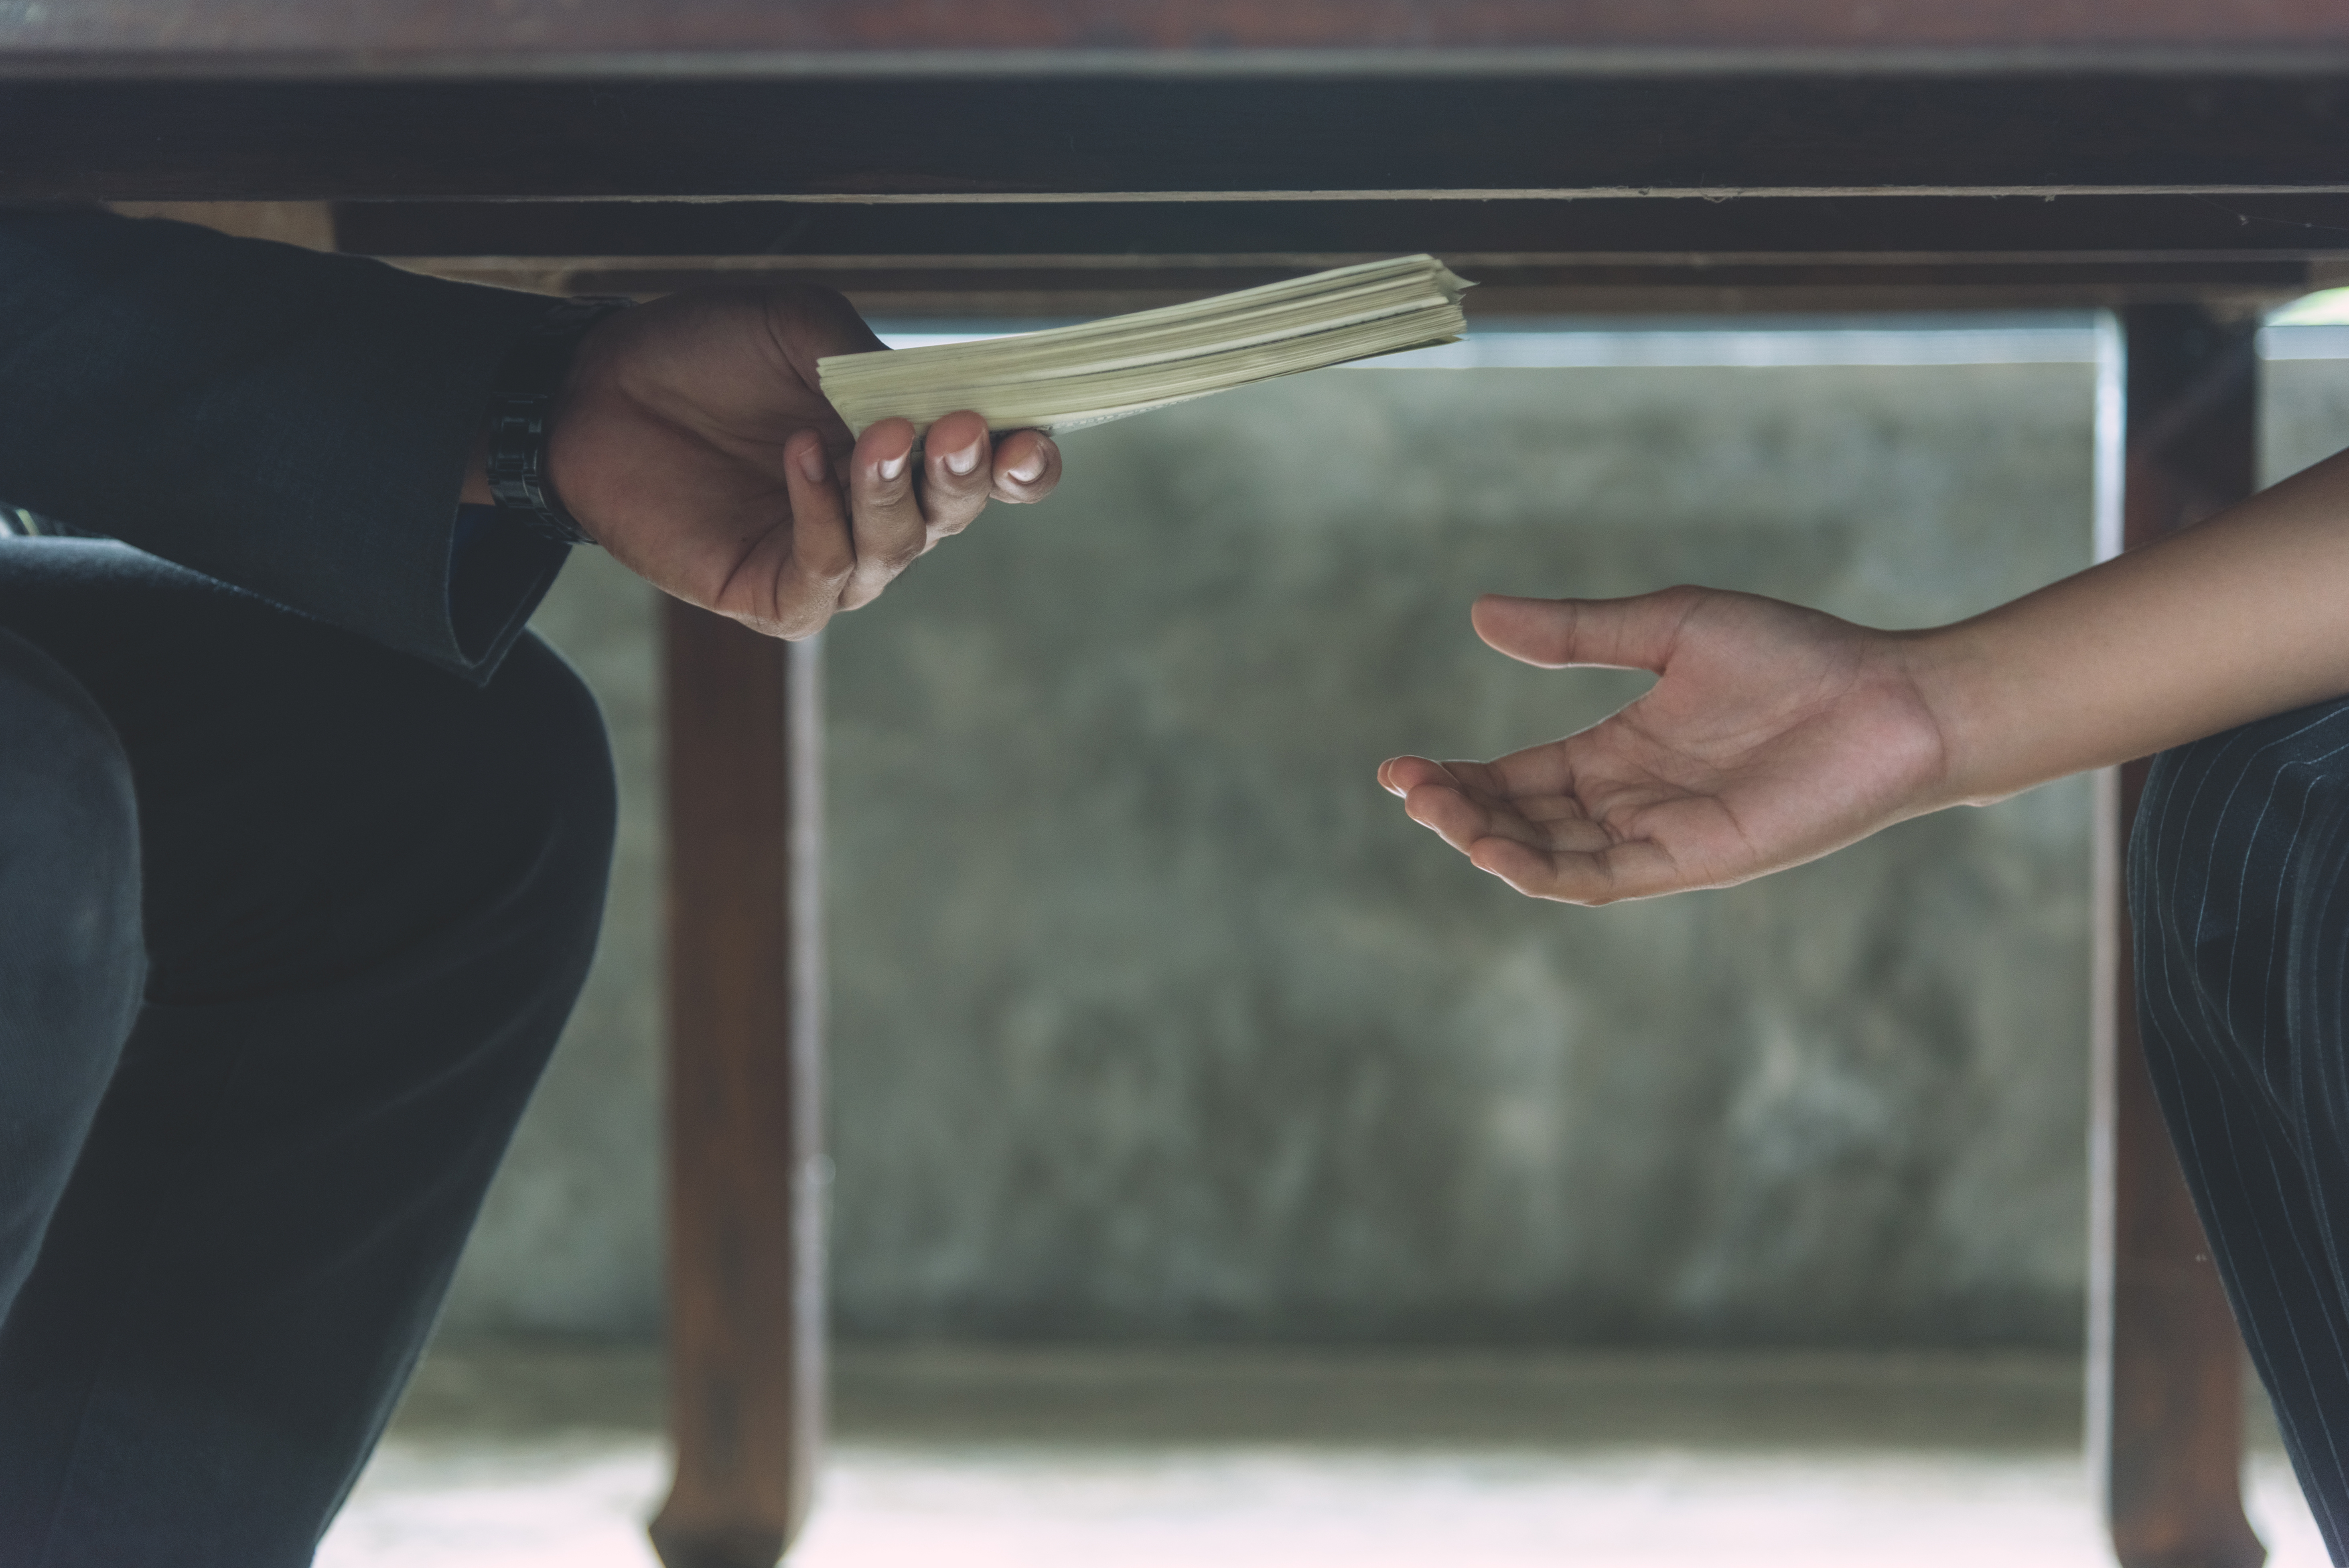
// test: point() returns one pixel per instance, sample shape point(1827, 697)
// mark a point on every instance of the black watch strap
point(522, 405)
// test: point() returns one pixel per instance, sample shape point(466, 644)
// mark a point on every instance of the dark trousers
point(288, 925)
point(2238, 891)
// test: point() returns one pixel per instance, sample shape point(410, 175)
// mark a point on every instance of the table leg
point(746, 1296)
point(2166, 1416)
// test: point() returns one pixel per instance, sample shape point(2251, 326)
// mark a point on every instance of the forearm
point(2245, 616)
point(291, 422)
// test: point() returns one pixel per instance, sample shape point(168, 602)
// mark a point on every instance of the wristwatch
point(522, 401)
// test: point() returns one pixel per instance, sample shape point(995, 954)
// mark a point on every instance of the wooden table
point(2183, 162)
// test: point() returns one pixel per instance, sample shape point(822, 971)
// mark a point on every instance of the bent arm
point(2239, 617)
point(1775, 735)
point(294, 423)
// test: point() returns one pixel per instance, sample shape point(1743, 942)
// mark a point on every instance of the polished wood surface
point(2172, 1431)
point(1623, 230)
point(963, 138)
point(646, 37)
point(746, 1304)
point(1528, 258)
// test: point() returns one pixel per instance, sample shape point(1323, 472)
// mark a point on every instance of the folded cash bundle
point(1102, 370)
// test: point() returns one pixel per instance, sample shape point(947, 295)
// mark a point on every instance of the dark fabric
point(71, 963)
point(295, 423)
point(2238, 892)
point(498, 573)
point(370, 894)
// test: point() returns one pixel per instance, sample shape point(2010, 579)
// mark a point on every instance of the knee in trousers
point(552, 760)
point(2231, 832)
point(71, 958)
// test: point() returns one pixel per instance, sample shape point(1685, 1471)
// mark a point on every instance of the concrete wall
point(1211, 1040)
point(2304, 403)
point(1154, 1019)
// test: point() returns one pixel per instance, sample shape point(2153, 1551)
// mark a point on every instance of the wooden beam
point(882, 289)
point(746, 1277)
point(966, 140)
point(542, 35)
point(1053, 259)
point(1596, 230)
point(2172, 1372)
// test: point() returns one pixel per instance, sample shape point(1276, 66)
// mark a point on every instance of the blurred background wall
point(1153, 1019)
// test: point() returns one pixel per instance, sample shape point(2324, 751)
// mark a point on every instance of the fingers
point(1462, 820)
point(823, 558)
point(956, 477)
point(1445, 809)
point(1544, 847)
point(1027, 467)
point(1402, 775)
point(889, 529)
point(1635, 870)
point(1635, 633)
point(898, 512)
point(1461, 803)
point(1538, 772)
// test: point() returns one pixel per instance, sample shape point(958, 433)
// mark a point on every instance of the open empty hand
point(693, 441)
point(1773, 734)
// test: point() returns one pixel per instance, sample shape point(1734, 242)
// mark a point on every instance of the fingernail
point(1029, 469)
point(811, 464)
point(892, 467)
point(962, 464)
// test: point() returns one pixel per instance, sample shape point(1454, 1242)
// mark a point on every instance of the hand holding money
point(693, 442)
point(758, 451)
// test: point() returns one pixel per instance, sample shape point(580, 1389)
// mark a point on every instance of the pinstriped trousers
point(2238, 894)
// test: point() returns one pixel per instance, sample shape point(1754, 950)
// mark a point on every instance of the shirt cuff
point(498, 573)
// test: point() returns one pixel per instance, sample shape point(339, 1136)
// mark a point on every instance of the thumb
point(1635, 633)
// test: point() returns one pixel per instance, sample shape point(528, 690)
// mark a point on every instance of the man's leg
point(70, 961)
point(371, 894)
point(2238, 885)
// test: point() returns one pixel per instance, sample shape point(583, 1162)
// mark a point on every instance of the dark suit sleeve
point(294, 423)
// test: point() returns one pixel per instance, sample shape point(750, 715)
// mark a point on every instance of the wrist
point(1967, 677)
point(517, 464)
point(588, 427)
point(1943, 670)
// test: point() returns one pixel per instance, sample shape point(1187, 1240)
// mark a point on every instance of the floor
point(546, 1456)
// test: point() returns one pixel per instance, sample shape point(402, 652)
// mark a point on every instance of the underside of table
point(2183, 162)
